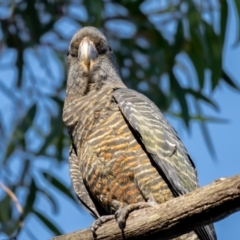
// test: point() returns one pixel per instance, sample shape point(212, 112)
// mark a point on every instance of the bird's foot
point(97, 223)
point(122, 213)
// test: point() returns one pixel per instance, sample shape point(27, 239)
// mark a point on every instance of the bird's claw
point(122, 213)
point(120, 216)
point(98, 223)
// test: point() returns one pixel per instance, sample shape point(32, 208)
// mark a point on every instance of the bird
point(124, 154)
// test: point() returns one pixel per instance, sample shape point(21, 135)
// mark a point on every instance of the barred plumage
point(123, 149)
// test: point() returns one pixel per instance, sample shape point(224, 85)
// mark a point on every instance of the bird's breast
point(114, 165)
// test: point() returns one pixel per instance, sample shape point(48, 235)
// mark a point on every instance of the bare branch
point(175, 217)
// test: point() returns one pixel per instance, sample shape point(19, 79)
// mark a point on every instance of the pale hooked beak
point(87, 51)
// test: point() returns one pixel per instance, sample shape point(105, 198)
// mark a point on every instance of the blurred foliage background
point(169, 50)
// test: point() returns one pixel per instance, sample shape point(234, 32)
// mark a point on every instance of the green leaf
point(198, 63)
point(194, 17)
point(10, 228)
point(59, 185)
point(237, 7)
point(94, 12)
point(197, 48)
point(48, 141)
point(200, 96)
point(20, 64)
point(28, 119)
point(8, 224)
point(207, 137)
point(58, 100)
point(31, 197)
point(47, 223)
point(223, 19)
point(179, 36)
point(201, 118)
point(10, 149)
point(181, 97)
point(55, 138)
point(51, 199)
point(226, 78)
point(206, 119)
point(205, 132)
point(215, 52)
point(8, 91)
point(5, 213)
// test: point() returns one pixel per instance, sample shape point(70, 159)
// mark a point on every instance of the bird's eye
point(110, 49)
point(71, 54)
point(67, 54)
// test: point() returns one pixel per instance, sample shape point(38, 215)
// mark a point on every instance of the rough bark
point(175, 217)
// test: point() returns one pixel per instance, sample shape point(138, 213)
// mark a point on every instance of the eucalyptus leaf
point(227, 79)
point(237, 6)
point(31, 197)
point(58, 184)
point(47, 223)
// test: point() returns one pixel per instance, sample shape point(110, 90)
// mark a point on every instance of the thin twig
point(13, 197)
point(18, 206)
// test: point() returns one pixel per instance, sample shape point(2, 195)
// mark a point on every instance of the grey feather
point(79, 186)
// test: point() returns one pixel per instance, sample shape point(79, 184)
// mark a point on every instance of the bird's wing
point(162, 143)
point(159, 139)
point(78, 185)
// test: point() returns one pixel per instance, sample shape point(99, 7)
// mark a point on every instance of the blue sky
point(226, 139)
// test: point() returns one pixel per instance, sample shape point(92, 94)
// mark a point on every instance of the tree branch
point(174, 217)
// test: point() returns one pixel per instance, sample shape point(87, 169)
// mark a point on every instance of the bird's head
point(91, 61)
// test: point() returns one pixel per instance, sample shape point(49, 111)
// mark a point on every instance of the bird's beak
point(87, 51)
